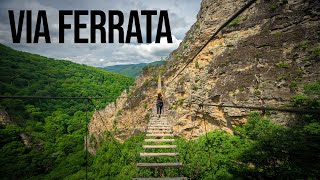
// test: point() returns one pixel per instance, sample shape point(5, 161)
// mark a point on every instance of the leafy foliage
point(45, 138)
point(234, 22)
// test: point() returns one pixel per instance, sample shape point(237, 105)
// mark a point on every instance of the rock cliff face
point(261, 58)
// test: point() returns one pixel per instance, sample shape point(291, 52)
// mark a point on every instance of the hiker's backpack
point(159, 102)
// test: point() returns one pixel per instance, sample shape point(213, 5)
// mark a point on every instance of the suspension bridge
point(160, 131)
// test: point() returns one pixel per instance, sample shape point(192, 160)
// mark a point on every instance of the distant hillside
point(44, 138)
point(131, 70)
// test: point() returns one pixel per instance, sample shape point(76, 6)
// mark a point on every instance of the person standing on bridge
point(159, 104)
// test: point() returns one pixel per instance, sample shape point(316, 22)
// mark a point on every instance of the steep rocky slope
point(261, 58)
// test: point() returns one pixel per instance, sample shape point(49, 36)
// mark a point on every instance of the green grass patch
point(234, 22)
point(282, 64)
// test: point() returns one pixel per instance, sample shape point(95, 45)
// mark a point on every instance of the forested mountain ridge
point(131, 70)
point(44, 138)
point(23, 73)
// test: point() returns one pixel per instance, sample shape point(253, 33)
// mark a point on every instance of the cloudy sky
point(182, 14)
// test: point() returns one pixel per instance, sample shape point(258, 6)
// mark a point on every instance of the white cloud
point(182, 14)
point(151, 52)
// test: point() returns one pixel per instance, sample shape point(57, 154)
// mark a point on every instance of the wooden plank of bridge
point(155, 123)
point(157, 154)
point(159, 135)
point(151, 123)
point(154, 131)
point(159, 128)
point(170, 178)
point(158, 124)
point(159, 140)
point(158, 120)
point(166, 125)
point(159, 165)
point(158, 131)
point(158, 146)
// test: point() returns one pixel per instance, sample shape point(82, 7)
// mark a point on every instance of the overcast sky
point(182, 14)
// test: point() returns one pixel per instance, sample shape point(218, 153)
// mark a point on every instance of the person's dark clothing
point(159, 110)
point(159, 105)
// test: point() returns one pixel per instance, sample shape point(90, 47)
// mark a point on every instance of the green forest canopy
point(44, 134)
